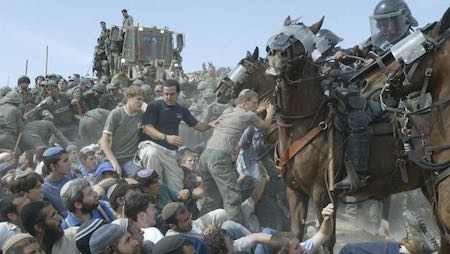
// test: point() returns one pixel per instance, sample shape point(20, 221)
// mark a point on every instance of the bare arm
point(326, 228)
point(256, 238)
point(157, 135)
point(105, 144)
point(201, 126)
point(269, 117)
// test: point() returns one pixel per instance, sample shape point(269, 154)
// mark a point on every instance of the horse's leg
point(298, 205)
point(321, 200)
point(443, 211)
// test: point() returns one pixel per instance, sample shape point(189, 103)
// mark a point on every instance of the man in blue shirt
point(82, 202)
point(57, 165)
point(160, 139)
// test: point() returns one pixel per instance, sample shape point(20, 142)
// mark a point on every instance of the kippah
point(53, 151)
point(169, 210)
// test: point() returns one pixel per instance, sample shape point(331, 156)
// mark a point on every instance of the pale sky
point(217, 31)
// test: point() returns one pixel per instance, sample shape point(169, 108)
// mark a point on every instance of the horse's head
point(291, 46)
point(230, 86)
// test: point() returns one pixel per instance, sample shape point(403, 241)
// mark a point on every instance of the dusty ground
point(364, 226)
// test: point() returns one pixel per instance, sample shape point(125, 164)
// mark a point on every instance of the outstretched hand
point(327, 212)
point(216, 122)
point(263, 105)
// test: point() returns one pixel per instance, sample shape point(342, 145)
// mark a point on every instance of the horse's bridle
point(234, 83)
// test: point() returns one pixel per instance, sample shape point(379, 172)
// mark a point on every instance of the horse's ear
point(287, 21)
point(316, 26)
point(248, 55)
point(255, 54)
point(445, 21)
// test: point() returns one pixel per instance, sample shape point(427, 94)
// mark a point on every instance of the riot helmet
point(98, 88)
point(326, 39)
point(12, 97)
point(390, 22)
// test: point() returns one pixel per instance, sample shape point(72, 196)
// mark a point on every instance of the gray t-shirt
point(227, 134)
point(124, 131)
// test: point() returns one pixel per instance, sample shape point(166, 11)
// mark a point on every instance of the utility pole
point(46, 60)
point(26, 67)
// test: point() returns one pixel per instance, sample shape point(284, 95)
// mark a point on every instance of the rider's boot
point(418, 240)
point(357, 168)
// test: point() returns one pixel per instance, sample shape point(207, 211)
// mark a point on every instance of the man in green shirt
point(120, 136)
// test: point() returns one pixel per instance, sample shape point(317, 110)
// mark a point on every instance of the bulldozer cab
point(142, 45)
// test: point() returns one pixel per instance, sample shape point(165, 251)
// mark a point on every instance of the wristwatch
point(163, 137)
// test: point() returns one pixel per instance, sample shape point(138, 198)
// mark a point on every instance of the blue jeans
point(371, 248)
point(129, 168)
point(235, 230)
point(262, 248)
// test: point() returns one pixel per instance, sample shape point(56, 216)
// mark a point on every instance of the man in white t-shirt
point(141, 208)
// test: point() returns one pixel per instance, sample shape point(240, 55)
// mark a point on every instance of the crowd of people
point(148, 166)
point(136, 190)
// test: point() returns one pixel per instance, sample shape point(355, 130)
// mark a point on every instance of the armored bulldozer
point(139, 46)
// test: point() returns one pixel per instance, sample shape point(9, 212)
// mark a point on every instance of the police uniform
point(61, 109)
point(109, 101)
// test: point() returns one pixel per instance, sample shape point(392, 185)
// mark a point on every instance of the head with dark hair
point(7, 208)
point(171, 92)
point(32, 214)
point(88, 160)
point(30, 184)
point(141, 208)
point(148, 182)
point(177, 217)
point(124, 10)
point(219, 242)
point(56, 159)
point(172, 83)
point(40, 219)
point(116, 195)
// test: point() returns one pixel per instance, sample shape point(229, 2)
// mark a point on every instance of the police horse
point(309, 150)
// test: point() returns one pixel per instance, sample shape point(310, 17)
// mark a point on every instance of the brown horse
point(250, 74)
point(303, 108)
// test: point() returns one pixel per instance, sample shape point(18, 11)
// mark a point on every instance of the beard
point(87, 208)
point(51, 236)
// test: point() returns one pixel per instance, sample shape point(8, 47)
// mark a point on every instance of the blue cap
point(104, 167)
point(53, 151)
point(105, 237)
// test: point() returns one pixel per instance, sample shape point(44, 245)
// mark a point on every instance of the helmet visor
point(322, 44)
point(388, 28)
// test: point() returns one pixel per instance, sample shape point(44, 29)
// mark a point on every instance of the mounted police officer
point(11, 122)
point(392, 21)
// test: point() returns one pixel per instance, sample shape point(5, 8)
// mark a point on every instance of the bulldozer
point(139, 46)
